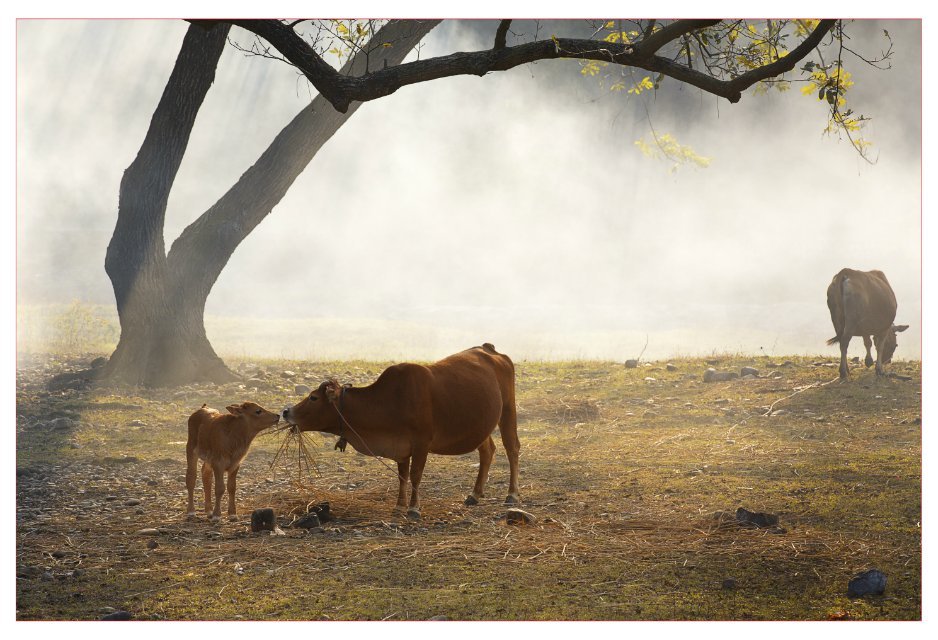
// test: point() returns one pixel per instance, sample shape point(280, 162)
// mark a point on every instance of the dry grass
point(624, 475)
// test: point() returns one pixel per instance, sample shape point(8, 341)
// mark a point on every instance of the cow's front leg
point(403, 468)
point(868, 343)
point(880, 339)
point(417, 461)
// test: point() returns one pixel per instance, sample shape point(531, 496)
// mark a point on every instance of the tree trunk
point(161, 298)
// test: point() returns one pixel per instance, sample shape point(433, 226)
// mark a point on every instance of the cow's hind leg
point(844, 343)
point(486, 453)
point(880, 340)
point(508, 426)
point(418, 460)
point(868, 343)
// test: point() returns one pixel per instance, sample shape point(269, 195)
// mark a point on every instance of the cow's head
point(890, 343)
point(316, 412)
point(254, 415)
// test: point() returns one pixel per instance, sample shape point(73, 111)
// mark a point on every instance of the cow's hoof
point(512, 499)
point(413, 514)
point(470, 501)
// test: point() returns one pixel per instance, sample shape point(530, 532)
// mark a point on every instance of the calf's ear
point(235, 409)
point(900, 327)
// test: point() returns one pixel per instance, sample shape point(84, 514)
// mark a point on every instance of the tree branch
point(202, 250)
point(501, 35)
point(341, 90)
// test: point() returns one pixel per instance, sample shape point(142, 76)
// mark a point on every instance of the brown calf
point(222, 442)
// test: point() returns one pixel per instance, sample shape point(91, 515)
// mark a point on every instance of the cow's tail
point(835, 302)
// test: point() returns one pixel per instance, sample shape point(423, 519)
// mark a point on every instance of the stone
point(438, 618)
point(756, 519)
point(650, 379)
point(288, 374)
point(518, 516)
point(670, 367)
point(308, 521)
point(137, 423)
point(118, 615)
point(97, 363)
point(631, 363)
point(729, 584)
point(152, 544)
point(148, 532)
point(871, 582)
point(133, 502)
point(263, 520)
point(301, 389)
point(712, 375)
point(749, 371)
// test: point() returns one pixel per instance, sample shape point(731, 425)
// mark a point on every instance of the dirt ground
point(634, 476)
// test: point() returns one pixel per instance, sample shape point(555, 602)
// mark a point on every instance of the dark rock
point(670, 367)
point(98, 362)
point(263, 520)
point(872, 582)
point(118, 615)
point(133, 502)
point(152, 544)
point(729, 584)
point(308, 521)
point(749, 371)
point(631, 363)
point(518, 516)
point(322, 512)
point(712, 375)
point(301, 389)
point(756, 519)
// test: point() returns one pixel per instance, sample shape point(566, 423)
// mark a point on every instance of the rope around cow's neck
point(338, 410)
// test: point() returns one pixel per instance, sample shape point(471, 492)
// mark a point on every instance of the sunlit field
point(634, 476)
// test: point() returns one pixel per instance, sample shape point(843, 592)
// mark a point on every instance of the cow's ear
point(901, 327)
point(332, 391)
point(235, 409)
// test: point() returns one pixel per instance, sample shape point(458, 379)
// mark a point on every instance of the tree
point(161, 296)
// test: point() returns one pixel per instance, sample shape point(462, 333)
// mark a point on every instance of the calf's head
point(316, 412)
point(254, 415)
point(890, 343)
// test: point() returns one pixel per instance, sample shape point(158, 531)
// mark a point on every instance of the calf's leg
point(192, 462)
point(486, 454)
point(219, 492)
point(232, 487)
point(207, 475)
point(880, 339)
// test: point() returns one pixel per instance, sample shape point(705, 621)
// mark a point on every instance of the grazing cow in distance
point(450, 407)
point(863, 304)
point(222, 440)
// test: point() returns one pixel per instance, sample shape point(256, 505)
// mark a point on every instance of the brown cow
point(450, 407)
point(863, 304)
point(222, 442)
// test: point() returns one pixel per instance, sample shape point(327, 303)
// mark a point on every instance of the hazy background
point(513, 208)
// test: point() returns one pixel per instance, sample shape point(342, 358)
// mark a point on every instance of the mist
point(513, 209)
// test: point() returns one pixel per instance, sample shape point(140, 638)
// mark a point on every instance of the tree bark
point(161, 297)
